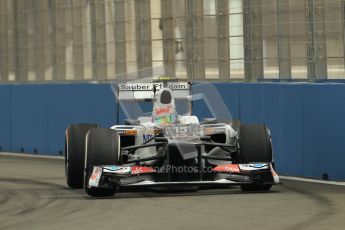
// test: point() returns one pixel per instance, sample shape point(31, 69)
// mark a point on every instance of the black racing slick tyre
point(101, 149)
point(75, 153)
point(255, 144)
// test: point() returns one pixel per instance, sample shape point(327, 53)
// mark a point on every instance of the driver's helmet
point(164, 111)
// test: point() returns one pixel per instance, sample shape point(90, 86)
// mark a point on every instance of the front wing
point(221, 175)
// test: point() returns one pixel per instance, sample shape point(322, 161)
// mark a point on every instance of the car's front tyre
point(75, 152)
point(102, 148)
point(255, 147)
point(255, 144)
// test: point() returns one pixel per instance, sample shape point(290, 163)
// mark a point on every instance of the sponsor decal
point(258, 166)
point(141, 170)
point(149, 86)
point(178, 86)
point(117, 169)
point(231, 168)
point(164, 110)
point(95, 177)
point(165, 119)
point(112, 167)
point(128, 132)
point(253, 167)
point(121, 132)
point(138, 86)
point(147, 137)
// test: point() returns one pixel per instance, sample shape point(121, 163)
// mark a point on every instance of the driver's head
point(164, 111)
point(165, 97)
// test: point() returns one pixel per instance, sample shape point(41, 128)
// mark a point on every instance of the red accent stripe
point(231, 168)
point(141, 170)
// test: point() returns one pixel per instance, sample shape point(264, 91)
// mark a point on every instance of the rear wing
point(136, 91)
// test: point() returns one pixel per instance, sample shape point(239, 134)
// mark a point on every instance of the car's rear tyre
point(75, 152)
point(101, 149)
point(255, 144)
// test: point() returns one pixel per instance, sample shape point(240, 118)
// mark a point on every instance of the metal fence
point(219, 40)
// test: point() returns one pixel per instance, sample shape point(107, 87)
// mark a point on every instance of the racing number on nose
point(181, 130)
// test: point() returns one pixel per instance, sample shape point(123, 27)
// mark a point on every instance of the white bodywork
point(147, 130)
point(164, 117)
point(147, 125)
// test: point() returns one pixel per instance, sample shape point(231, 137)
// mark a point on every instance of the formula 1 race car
point(165, 149)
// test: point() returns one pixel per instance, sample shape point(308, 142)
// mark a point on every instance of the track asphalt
point(33, 195)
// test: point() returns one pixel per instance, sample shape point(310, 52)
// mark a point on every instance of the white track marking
point(313, 180)
point(31, 155)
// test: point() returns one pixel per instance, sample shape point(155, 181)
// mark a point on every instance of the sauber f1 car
point(167, 150)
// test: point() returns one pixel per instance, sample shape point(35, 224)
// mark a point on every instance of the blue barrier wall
point(306, 120)
point(36, 116)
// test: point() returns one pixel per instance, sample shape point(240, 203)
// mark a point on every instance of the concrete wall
point(306, 120)
point(56, 40)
